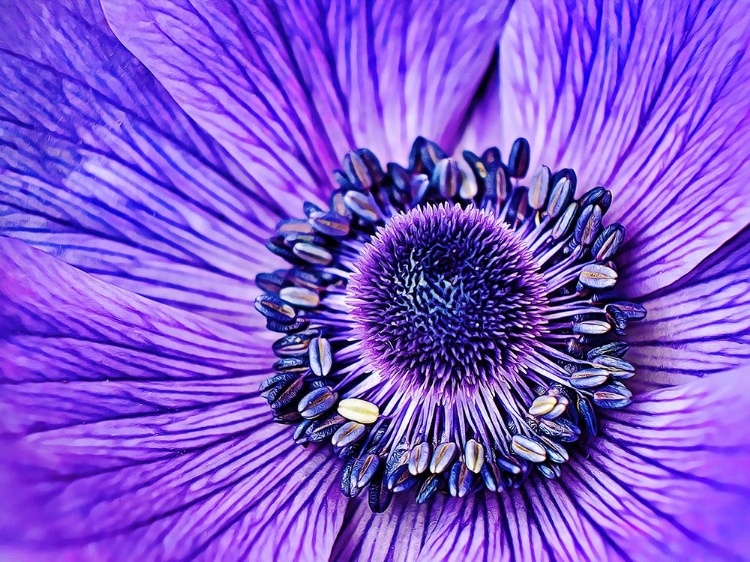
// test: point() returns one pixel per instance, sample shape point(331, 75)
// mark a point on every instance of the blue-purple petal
point(397, 535)
point(699, 325)
point(649, 99)
point(289, 87)
point(101, 168)
point(667, 478)
point(133, 430)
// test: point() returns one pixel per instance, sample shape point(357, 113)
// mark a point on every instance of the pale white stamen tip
point(542, 405)
point(359, 410)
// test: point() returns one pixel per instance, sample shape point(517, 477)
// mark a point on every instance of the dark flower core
point(446, 297)
point(445, 327)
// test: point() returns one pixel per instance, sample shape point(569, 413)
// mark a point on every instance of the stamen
point(445, 327)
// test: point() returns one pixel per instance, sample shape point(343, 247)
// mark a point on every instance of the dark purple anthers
point(445, 327)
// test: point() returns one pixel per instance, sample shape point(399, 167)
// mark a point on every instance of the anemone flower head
point(271, 290)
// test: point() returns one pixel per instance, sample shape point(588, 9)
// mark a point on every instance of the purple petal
point(668, 478)
point(397, 535)
point(101, 168)
point(701, 324)
point(481, 131)
point(132, 427)
point(288, 88)
point(650, 100)
point(520, 525)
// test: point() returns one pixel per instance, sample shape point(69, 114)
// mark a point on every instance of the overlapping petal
point(132, 427)
point(294, 85)
point(700, 325)
point(668, 478)
point(649, 99)
point(397, 535)
point(101, 168)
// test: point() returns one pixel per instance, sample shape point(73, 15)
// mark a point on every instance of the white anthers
point(358, 410)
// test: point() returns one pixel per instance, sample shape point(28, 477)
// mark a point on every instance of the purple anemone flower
point(268, 291)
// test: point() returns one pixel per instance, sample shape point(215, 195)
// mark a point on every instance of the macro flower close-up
point(345, 280)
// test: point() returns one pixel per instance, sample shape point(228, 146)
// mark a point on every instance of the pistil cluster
point(447, 298)
point(444, 326)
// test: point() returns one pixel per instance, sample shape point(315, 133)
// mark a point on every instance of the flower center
point(446, 327)
point(445, 296)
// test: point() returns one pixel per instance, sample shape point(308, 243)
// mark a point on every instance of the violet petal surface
point(648, 99)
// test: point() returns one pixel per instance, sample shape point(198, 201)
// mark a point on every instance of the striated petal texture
point(101, 168)
point(135, 431)
point(397, 535)
point(648, 99)
point(667, 479)
point(292, 86)
point(700, 325)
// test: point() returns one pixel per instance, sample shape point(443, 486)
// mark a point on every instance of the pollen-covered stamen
point(445, 327)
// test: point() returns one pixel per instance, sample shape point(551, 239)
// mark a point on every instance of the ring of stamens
point(424, 373)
